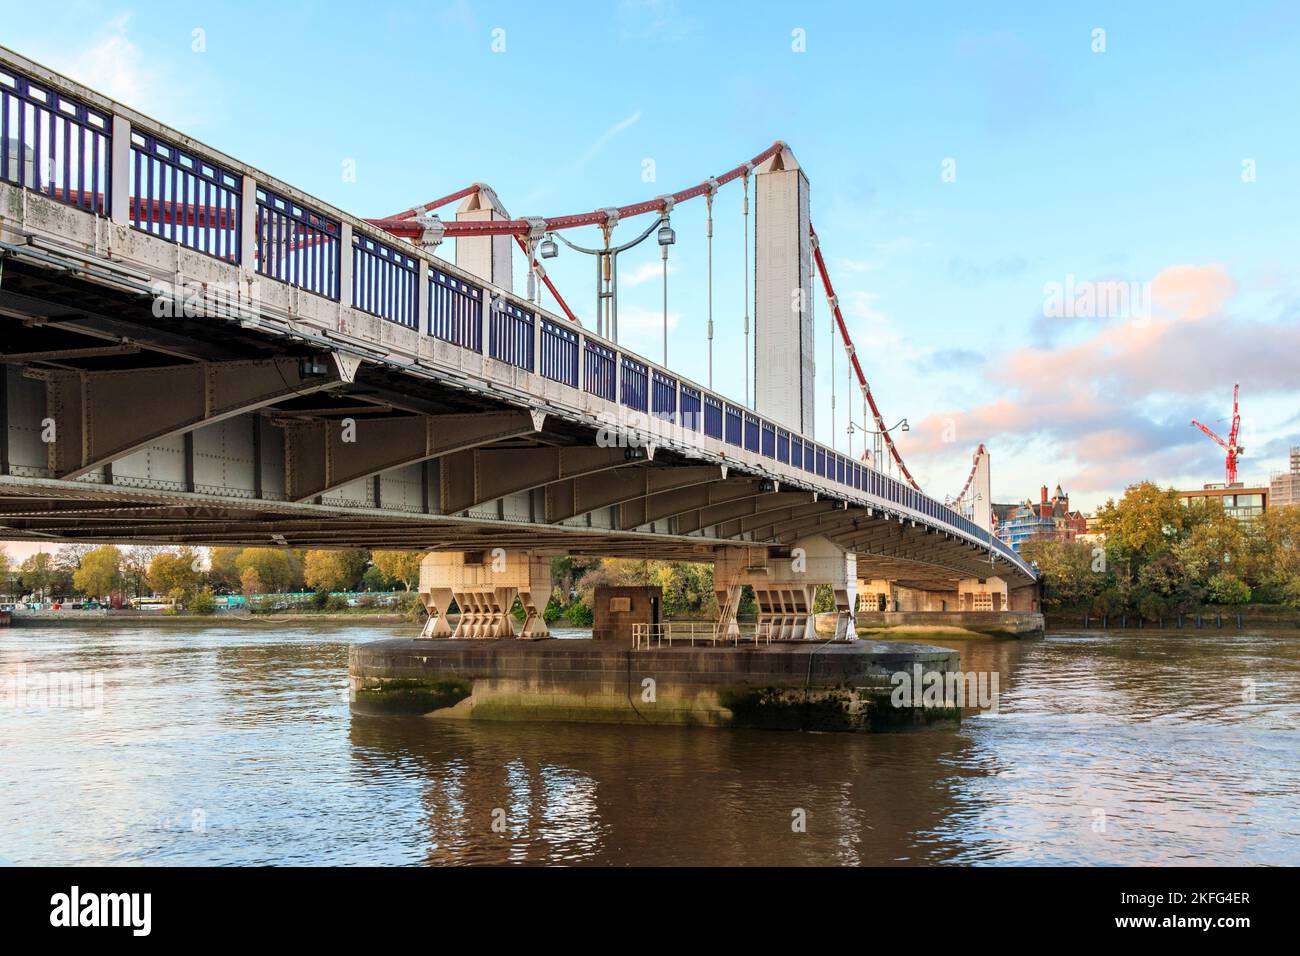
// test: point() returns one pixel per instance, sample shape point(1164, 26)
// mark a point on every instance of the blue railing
point(663, 396)
point(384, 281)
point(634, 384)
point(751, 432)
point(61, 148)
point(735, 426)
point(455, 311)
point(712, 417)
point(297, 245)
point(182, 197)
point(559, 358)
point(510, 334)
point(54, 145)
point(692, 418)
point(599, 369)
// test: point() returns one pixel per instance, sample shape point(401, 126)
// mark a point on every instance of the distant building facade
point(1242, 503)
point(1284, 486)
point(1049, 519)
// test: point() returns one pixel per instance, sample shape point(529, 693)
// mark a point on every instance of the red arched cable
point(853, 357)
point(975, 464)
point(520, 227)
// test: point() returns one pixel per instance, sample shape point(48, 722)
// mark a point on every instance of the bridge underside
point(118, 424)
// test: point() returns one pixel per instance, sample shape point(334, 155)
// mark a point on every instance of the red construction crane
point(1234, 450)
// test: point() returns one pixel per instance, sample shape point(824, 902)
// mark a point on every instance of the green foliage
point(278, 569)
point(203, 602)
point(748, 606)
point(335, 570)
point(100, 572)
point(824, 599)
point(579, 615)
point(176, 573)
point(1160, 558)
point(1227, 588)
point(553, 611)
point(38, 573)
point(400, 567)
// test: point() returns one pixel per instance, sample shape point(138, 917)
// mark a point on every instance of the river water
point(235, 745)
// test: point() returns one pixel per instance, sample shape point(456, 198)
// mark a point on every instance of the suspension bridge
point(196, 352)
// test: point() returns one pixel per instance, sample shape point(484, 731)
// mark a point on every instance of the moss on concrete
point(410, 695)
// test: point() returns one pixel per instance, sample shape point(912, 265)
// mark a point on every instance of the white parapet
point(783, 295)
point(484, 586)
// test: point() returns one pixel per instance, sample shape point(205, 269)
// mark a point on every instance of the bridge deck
point(202, 334)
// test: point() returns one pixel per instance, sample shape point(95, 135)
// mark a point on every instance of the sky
point(966, 168)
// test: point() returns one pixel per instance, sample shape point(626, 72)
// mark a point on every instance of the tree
point(135, 567)
point(401, 566)
point(279, 569)
point(1227, 588)
point(1073, 572)
point(5, 567)
point(223, 575)
point(1145, 522)
point(203, 602)
point(334, 570)
point(100, 572)
point(38, 573)
point(176, 573)
point(250, 583)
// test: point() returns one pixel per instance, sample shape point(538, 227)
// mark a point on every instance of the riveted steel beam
point(97, 417)
point(321, 456)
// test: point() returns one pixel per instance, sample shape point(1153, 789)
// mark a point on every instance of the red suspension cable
point(975, 464)
point(853, 358)
point(520, 227)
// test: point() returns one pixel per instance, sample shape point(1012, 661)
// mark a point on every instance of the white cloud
point(645, 273)
point(111, 64)
point(639, 321)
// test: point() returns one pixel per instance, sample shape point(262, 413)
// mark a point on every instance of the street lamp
point(878, 446)
point(607, 271)
point(666, 238)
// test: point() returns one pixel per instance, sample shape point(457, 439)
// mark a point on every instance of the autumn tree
point(334, 570)
point(401, 566)
point(223, 574)
point(176, 572)
point(250, 583)
point(38, 573)
point(277, 568)
point(100, 572)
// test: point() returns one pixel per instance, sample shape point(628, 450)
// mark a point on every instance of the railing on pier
point(58, 141)
point(701, 633)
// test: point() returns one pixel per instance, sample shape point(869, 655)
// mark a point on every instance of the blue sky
point(1126, 164)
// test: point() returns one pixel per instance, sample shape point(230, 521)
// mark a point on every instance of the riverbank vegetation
point(296, 581)
point(1160, 558)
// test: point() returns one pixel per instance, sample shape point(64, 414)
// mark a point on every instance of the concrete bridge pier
point(484, 585)
point(785, 585)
